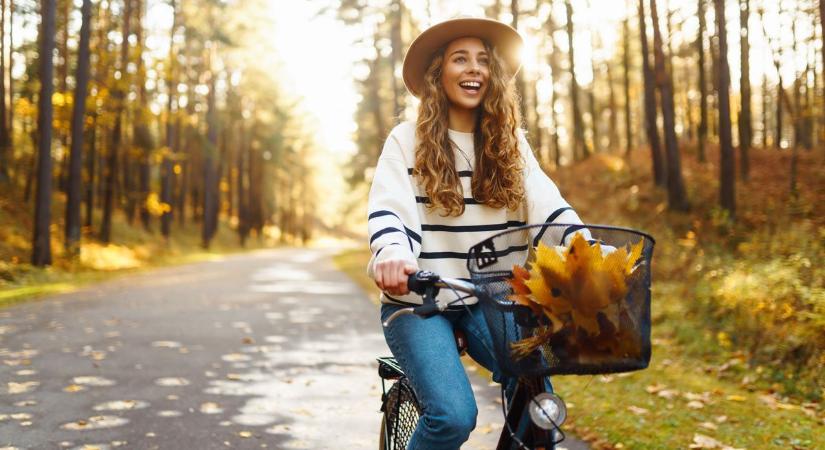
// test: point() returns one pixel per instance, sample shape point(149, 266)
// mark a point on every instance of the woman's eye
point(484, 61)
point(460, 59)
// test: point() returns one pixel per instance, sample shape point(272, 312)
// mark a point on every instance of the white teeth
point(470, 84)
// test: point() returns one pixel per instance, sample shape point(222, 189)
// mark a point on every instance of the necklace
point(464, 155)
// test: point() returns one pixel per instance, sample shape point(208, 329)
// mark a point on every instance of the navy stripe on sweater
point(550, 219)
point(467, 201)
point(382, 213)
point(472, 228)
point(461, 173)
point(464, 256)
point(568, 231)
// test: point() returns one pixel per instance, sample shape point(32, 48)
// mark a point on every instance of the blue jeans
point(426, 351)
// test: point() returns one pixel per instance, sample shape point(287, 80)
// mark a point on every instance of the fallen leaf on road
point(21, 388)
point(95, 422)
point(172, 381)
point(21, 416)
point(74, 388)
point(486, 429)
point(211, 408)
point(245, 434)
point(93, 381)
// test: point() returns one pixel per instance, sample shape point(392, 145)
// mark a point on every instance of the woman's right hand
point(391, 276)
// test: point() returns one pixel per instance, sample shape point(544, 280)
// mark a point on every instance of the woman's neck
point(463, 120)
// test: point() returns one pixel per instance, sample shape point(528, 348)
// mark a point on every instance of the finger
point(379, 276)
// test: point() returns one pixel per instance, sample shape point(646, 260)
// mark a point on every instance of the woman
point(461, 173)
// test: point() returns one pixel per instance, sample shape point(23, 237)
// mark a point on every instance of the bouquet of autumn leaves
point(581, 290)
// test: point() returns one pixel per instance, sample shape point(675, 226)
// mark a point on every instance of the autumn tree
point(651, 126)
point(74, 193)
point(745, 128)
point(41, 242)
point(703, 92)
point(727, 175)
point(580, 148)
point(677, 198)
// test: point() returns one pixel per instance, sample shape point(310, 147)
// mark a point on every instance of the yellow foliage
point(155, 206)
point(572, 286)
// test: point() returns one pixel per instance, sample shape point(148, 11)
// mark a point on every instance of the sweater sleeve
point(546, 205)
point(393, 223)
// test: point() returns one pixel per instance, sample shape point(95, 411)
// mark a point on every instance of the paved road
point(272, 349)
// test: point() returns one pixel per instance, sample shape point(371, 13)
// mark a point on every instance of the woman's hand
point(391, 276)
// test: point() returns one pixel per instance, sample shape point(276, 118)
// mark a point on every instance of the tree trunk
point(72, 229)
point(628, 126)
point(822, 40)
point(63, 77)
point(765, 122)
point(10, 93)
point(167, 168)
point(395, 58)
point(5, 144)
point(119, 100)
point(676, 196)
point(555, 68)
point(745, 130)
point(650, 104)
point(580, 148)
point(727, 174)
point(522, 90)
point(703, 90)
point(91, 159)
point(613, 133)
point(41, 241)
point(210, 181)
point(141, 136)
point(241, 188)
point(779, 118)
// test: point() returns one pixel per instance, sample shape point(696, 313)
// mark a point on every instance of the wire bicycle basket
point(554, 309)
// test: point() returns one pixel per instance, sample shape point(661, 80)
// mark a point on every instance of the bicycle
point(533, 416)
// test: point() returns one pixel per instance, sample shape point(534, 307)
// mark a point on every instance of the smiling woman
point(462, 172)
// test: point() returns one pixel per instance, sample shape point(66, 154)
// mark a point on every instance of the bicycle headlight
point(547, 411)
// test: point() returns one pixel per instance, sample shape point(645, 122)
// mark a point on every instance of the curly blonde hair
point(497, 176)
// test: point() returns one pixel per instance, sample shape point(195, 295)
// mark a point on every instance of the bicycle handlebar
point(422, 280)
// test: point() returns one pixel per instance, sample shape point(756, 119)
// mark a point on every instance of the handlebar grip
point(427, 310)
point(418, 282)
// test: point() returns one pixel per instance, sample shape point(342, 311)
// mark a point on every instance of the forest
point(699, 121)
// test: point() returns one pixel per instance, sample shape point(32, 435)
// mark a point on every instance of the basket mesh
point(569, 350)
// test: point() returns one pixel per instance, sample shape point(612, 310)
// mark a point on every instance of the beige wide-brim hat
point(504, 38)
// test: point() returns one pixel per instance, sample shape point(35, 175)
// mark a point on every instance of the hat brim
point(504, 38)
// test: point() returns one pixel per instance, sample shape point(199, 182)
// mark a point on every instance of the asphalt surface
point(271, 349)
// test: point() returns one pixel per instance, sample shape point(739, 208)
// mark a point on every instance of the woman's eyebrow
point(466, 52)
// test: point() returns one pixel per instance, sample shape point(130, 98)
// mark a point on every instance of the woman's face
point(465, 72)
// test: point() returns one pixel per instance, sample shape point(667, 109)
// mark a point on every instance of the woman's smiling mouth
point(471, 87)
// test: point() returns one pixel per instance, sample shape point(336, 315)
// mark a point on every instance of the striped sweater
point(402, 227)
